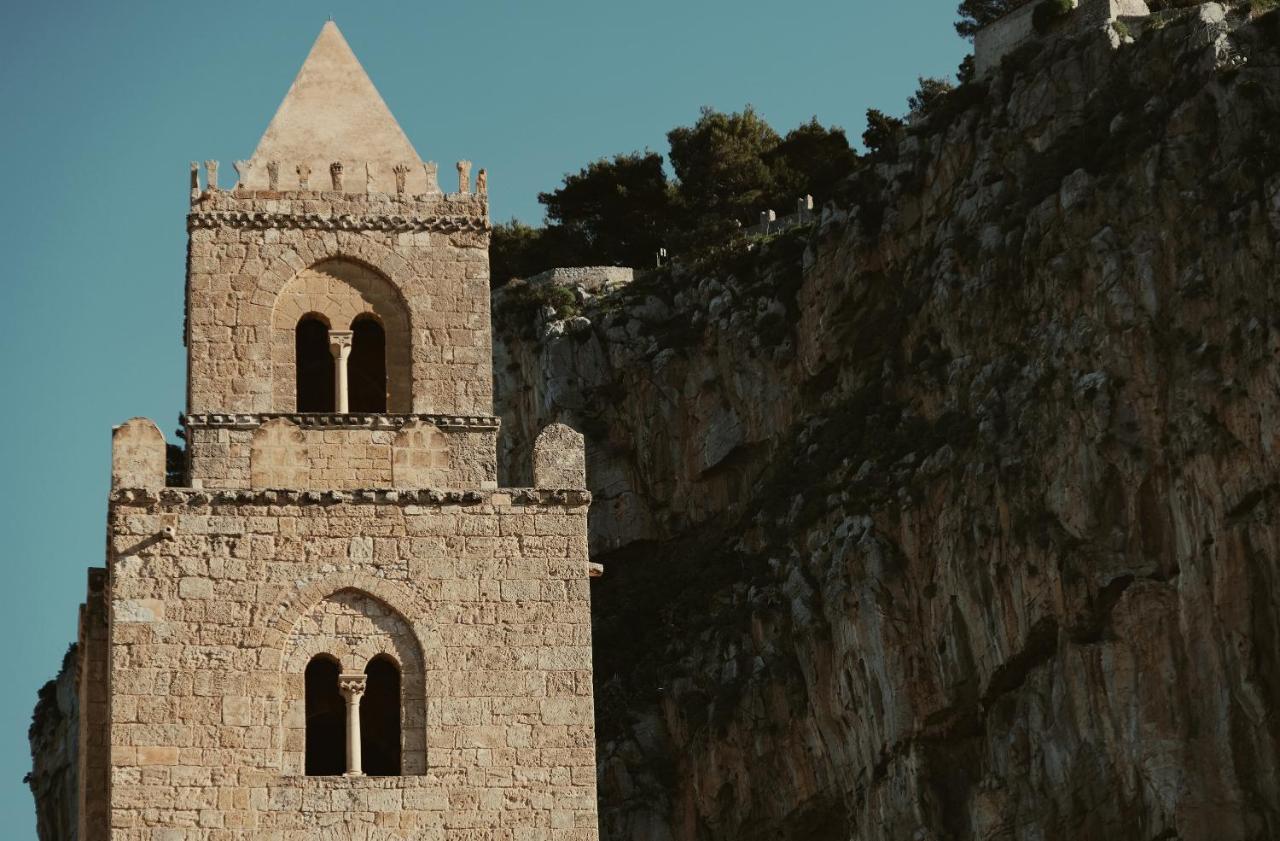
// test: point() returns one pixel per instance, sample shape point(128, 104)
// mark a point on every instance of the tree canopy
point(975, 14)
point(619, 211)
point(613, 212)
point(722, 167)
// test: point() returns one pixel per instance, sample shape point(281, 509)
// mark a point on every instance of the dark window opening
point(314, 366)
point(367, 367)
point(326, 720)
point(380, 718)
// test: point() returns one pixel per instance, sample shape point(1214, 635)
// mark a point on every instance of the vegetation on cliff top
point(621, 211)
point(728, 167)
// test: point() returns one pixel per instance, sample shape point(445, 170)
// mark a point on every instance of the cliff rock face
point(957, 514)
point(55, 753)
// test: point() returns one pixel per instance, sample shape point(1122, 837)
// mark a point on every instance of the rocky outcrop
point(955, 515)
point(55, 753)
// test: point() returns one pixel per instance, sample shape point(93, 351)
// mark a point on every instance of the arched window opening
point(314, 366)
point(367, 367)
point(380, 718)
point(326, 719)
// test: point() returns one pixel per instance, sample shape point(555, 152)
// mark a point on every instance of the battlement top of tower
point(333, 131)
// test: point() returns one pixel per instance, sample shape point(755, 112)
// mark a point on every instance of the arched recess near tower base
point(357, 631)
point(347, 295)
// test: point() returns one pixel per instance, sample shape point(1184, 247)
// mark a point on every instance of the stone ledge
point(299, 201)
point(329, 420)
point(314, 221)
point(502, 497)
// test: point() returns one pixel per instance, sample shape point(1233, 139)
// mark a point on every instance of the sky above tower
point(107, 103)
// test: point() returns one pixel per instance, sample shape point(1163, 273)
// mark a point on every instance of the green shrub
point(520, 303)
point(929, 95)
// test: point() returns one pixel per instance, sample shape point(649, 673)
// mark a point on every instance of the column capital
point(340, 342)
point(351, 686)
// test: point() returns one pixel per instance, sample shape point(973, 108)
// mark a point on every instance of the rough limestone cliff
point(957, 514)
point(55, 752)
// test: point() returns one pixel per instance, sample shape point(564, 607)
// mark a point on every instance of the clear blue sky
point(106, 103)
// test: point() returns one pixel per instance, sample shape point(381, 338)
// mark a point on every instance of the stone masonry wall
point(996, 40)
point(493, 585)
point(1016, 29)
point(275, 453)
point(247, 247)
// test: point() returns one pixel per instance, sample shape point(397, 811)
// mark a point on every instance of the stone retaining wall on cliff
point(1017, 28)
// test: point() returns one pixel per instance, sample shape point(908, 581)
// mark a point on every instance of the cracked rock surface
point(955, 515)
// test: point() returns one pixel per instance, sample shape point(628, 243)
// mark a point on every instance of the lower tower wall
point(220, 598)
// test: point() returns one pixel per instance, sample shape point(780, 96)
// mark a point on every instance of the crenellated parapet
point(406, 181)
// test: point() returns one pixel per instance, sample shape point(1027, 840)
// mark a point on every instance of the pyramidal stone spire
point(333, 128)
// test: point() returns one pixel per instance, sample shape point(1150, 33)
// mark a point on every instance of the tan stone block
point(156, 755)
point(237, 711)
point(195, 588)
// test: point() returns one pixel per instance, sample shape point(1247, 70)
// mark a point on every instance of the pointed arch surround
point(347, 295)
point(358, 631)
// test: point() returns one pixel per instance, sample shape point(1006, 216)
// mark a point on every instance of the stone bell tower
point(337, 625)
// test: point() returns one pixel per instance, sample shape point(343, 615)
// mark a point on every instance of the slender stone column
point(340, 347)
point(352, 689)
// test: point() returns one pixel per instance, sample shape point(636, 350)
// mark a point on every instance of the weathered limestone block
point(137, 455)
point(473, 458)
point(420, 457)
point(278, 456)
point(559, 458)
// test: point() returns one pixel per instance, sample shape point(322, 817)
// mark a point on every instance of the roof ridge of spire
point(333, 113)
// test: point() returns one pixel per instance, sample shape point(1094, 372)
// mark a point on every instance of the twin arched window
point(329, 701)
point(315, 366)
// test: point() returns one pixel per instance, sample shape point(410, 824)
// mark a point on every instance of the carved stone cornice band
point(206, 497)
point(260, 220)
point(326, 420)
